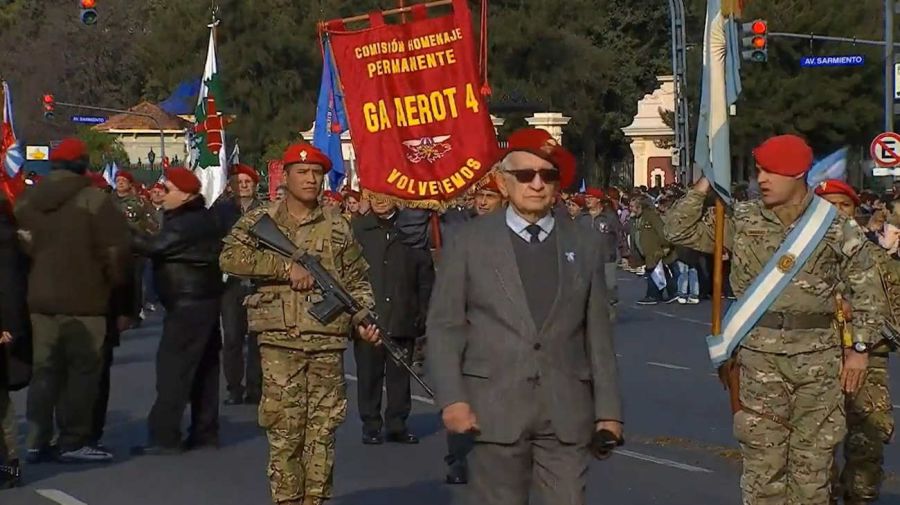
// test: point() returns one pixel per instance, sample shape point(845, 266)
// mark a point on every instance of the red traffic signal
point(759, 42)
point(88, 13)
point(49, 105)
point(758, 27)
point(88, 4)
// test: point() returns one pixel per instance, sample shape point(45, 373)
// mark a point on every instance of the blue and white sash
point(776, 275)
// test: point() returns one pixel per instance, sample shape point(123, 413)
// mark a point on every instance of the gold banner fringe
point(435, 205)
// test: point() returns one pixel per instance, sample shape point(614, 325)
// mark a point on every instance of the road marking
point(59, 497)
point(686, 319)
point(662, 461)
point(667, 365)
point(628, 454)
point(417, 398)
point(896, 406)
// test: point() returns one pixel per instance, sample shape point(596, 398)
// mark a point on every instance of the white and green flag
point(208, 153)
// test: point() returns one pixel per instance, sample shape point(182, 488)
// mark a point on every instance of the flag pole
point(399, 10)
point(718, 267)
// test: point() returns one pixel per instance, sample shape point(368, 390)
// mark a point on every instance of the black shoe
point(252, 399)
point(10, 475)
point(155, 450)
point(193, 444)
point(647, 301)
point(373, 438)
point(234, 399)
point(402, 438)
point(43, 455)
point(458, 473)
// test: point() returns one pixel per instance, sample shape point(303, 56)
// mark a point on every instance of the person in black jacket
point(15, 340)
point(401, 278)
point(185, 256)
point(235, 331)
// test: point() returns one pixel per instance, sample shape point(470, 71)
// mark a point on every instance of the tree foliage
point(102, 147)
point(589, 59)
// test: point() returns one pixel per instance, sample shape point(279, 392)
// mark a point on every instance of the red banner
point(418, 121)
point(276, 177)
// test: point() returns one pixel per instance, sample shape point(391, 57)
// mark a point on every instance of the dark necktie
point(535, 232)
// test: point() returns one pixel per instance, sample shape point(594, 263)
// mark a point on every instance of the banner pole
point(718, 268)
point(399, 10)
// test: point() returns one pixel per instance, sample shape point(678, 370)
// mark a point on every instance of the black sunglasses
point(527, 175)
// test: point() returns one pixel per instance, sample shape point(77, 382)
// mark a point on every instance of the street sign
point(882, 172)
point(37, 153)
point(897, 80)
point(854, 60)
point(88, 119)
point(885, 150)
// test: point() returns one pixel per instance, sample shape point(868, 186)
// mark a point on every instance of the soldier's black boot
point(458, 473)
point(10, 475)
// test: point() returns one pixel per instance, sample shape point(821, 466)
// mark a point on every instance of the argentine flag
point(833, 166)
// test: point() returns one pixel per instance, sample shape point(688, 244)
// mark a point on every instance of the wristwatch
point(861, 347)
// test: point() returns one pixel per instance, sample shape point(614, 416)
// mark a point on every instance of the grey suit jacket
point(484, 349)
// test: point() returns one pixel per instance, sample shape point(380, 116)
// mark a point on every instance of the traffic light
point(49, 106)
point(756, 41)
point(88, 13)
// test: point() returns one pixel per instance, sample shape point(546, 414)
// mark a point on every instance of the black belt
point(794, 321)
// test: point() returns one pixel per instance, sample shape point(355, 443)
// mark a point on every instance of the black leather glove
point(603, 443)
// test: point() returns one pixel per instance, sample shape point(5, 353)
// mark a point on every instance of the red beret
point(183, 179)
point(125, 175)
point(354, 195)
point(540, 143)
point(333, 195)
point(837, 187)
point(595, 192)
point(247, 170)
point(578, 200)
point(787, 155)
point(69, 150)
point(97, 180)
point(490, 184)
point(305, 153)
point(613, 193)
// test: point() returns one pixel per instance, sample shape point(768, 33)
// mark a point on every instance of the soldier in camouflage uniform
point(792, 367)
point(870, 419)
point(303, 393)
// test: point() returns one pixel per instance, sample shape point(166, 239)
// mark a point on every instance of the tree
point(47, 49)
point(102, 147)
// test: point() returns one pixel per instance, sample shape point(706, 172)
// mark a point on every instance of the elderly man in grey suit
point(520, 344)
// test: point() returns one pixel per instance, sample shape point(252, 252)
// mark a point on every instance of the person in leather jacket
point(185, 256)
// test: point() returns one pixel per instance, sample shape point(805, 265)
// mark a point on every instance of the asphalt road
point(679, 451)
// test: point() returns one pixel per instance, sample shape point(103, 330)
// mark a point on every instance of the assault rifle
point(335, 299)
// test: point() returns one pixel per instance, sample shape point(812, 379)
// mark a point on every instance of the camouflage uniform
point(140, 214)
point(870, 419)
point(303, 394)
point(793, 415)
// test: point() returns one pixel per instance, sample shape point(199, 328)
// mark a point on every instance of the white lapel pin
point(570, 257)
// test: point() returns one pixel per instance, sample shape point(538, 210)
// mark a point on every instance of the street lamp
point(151, 157)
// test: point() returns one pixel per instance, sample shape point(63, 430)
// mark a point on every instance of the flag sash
point(793, 254)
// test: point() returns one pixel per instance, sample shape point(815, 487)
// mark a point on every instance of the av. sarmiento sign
point(833, 61)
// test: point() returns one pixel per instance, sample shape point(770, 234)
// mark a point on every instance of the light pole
point(889, 10)
point(679, 72)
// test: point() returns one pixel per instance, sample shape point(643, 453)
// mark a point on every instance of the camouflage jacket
point(141, 215)
point(839, 263)
point(279, 313)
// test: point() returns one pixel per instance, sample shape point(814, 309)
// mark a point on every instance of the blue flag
point(833, 166)
point(331, 118)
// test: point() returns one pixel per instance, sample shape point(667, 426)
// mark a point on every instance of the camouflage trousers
point(7, 428)
point(303, 402)
point(870, 425)
point(793, 419)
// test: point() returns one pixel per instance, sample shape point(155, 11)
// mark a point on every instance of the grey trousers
point(501, 474)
